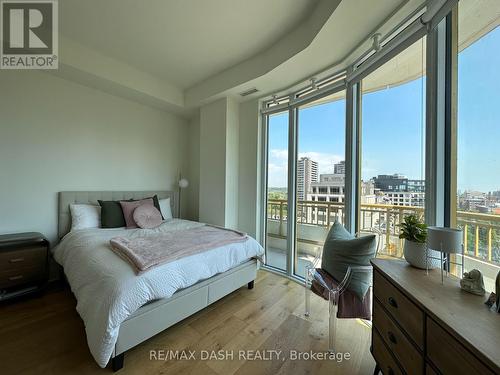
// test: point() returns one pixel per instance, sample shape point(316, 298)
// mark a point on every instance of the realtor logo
point(29, 34)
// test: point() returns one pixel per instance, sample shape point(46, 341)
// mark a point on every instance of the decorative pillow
point(165, 209)
point(156, 203)
point(342, 250)
point(85, 216)
point(111, 214)
point(146, 216)
point(128, 208)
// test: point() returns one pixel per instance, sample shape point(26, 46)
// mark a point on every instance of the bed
point(121, 309)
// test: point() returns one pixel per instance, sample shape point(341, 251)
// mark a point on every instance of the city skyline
point(387, 148)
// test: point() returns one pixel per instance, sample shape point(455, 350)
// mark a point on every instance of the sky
point(393, 124)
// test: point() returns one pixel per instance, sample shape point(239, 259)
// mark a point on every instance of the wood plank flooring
point(45, 335)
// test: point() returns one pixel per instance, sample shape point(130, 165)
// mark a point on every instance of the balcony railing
point(481, 231)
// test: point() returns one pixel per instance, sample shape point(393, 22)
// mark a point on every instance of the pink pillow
point(147, 216)
point(128, 210)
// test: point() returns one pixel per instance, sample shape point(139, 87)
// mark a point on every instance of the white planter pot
point(415, 254)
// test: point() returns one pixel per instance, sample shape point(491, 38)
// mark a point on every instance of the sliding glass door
point(277, 191)
point(320, 175)
point(317, 149)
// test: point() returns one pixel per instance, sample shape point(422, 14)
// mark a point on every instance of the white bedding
point(107, 289)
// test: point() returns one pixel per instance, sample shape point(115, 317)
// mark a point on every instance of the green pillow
point(112, 213)
point(342, 250)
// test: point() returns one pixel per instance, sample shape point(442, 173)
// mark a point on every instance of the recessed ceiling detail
point(177, 55)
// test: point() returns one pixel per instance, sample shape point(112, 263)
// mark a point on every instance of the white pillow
point(85, 216)
point(166, 210)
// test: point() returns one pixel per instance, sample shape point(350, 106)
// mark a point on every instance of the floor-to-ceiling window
point(277, 190)
point(320, 174)
point(393, 146)
point(310, 153)
point(478, 136)
point(318, 168)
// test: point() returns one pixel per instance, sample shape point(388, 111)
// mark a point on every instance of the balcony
point(481, 233)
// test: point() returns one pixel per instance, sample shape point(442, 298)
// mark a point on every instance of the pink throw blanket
point(144, 253)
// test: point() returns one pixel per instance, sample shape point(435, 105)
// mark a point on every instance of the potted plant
point(414, 232)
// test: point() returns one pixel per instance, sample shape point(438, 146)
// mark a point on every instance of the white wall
point(213, 162)
point(249, 167)
point(57, 135)
point(194, 168)
point(232, 163)
point(219, 145)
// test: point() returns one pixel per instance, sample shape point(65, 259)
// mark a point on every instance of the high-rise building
point(339, 168)
point(330, 188)
point(398, 190)
point(393, 182)
point(307, 173)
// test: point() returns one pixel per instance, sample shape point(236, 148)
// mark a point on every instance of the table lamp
point(446, 241)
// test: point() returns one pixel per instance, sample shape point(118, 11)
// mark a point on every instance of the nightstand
point(24, 264)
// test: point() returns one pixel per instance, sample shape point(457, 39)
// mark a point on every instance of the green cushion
point(342, 250)
point(112, 213)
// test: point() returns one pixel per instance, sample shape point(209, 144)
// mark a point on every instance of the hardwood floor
point(45, 335)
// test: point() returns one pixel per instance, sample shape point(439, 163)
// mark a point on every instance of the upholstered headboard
point(90, 197)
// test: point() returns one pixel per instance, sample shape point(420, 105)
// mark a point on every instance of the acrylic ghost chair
point(333, 291)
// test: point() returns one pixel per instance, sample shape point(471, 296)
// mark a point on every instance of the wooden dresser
point(23, 264)
point(423, 327)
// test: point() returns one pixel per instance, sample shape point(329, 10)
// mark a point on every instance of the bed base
point(157, 316)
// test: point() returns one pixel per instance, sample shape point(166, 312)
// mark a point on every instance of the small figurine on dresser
point(472, 282)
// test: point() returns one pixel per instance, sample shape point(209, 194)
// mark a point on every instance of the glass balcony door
point(277, 191)
point(320, 175)
point(309, 154)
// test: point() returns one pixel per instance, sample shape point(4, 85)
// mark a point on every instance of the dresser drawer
point(383, 357)
point(407, 354)
point(23, 258)
point(405, 312)
point(15, 277)
point(448, 355)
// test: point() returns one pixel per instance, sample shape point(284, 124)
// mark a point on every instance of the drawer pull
point(18, 277)
point(392, 337)
point(16, 260)
point(393, 302)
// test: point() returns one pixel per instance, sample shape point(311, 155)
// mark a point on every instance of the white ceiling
point(180, 41)
point(179, 54)
point(346, 29)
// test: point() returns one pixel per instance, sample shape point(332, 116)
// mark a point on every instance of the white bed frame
point(158, 315)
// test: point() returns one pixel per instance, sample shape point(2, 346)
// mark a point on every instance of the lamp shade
point(183, 183)
point(443, 239)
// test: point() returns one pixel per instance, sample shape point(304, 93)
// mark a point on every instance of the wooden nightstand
point(24, 260)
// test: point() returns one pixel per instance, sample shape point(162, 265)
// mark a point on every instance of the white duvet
point(107, 289)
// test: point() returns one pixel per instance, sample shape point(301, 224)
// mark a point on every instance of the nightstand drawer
point(384, 358)
point(405, 312)
point(12, 278)
point(23, 258)
point(449, 355)
point(407, 354)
